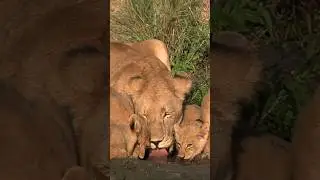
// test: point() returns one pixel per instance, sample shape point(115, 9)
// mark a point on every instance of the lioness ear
point(182, 84)
point(134, 123)
point(136, 84)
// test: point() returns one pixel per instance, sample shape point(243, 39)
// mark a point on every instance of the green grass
point(178, 24)
point(292, 28)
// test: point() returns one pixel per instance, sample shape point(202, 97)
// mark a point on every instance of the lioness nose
point(156, 143)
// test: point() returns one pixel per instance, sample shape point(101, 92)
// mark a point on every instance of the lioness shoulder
point(155, 48)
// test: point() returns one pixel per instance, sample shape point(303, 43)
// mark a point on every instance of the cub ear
point(134, 123)
point(136, 84)
point(182, 84)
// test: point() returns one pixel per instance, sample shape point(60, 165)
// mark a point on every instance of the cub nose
point(181, 155)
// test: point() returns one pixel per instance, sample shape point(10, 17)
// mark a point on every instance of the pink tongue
point(158, 153)
point(158, 156)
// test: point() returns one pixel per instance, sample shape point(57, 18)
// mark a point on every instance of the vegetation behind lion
point(179, 24)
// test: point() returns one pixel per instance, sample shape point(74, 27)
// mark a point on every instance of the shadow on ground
point(131, 169)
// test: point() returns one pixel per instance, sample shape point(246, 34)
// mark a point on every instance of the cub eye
point(189, 147)
point(178, 146)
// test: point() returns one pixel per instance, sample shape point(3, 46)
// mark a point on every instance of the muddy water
point(132, 169)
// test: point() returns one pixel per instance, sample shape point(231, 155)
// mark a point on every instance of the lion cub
point(188, 139)
point(129, 132)
point(129, 139)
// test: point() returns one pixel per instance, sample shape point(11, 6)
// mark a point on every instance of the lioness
point(235, 72)
point(306, 146)
point(187, 133)
point(266, 157)
point(156, 95)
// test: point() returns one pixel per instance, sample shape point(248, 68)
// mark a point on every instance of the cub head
point(187, 133)
point(139, 126)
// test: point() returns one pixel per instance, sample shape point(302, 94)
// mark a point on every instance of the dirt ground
point(131, 169)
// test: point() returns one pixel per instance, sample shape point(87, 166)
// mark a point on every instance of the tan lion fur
point(129, 139)
point(187, 133)
point(129, 133)
point(155, 93)
point(204, 144)
point(155, 48)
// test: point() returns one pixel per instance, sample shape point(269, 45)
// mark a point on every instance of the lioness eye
point(165, 115)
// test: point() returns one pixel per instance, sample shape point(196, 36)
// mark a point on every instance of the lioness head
point(156, 94)
point(162, 107)
point(187, 134)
